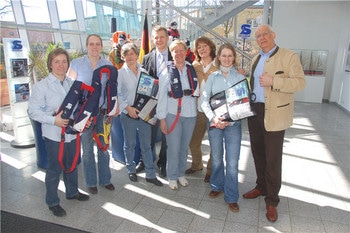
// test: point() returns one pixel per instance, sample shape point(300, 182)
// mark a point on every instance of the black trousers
point(162, 153)
point(267, 149)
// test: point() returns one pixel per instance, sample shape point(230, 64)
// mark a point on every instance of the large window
point(66, 15)
point(36, 11)
point(63, 26)
point(6, 13)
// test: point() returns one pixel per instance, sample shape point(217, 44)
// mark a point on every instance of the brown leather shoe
point(207, 178)
point(92, 190)
point(234, 207)
point(271, 213)
point(253, 194)
point(214, 194)
point(110, 187)
point(191, 171)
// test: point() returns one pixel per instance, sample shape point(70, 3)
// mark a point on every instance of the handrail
point(206, 29)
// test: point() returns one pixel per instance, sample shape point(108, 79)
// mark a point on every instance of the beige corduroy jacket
point(284, 65)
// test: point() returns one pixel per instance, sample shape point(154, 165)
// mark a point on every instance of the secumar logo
point(17, 45)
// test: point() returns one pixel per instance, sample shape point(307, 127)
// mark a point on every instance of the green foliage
point(2, 62)
point(38, 55)
point(37, 60)
point(76, 54)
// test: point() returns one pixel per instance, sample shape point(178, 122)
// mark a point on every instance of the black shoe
point(133, 177)
point(154, 181)
point(162, 171)
point(140, 167)
point(57, 210)
point(79, 197)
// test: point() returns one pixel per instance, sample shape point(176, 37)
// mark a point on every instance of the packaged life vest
point(176, 90)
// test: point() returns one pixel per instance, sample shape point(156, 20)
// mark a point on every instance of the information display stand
point(16, 60)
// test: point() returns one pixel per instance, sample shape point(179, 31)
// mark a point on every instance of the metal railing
point(197, 28)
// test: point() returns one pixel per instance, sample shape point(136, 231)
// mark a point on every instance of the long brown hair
point(208, 42)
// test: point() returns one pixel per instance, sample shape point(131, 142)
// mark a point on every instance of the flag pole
point(145, 39)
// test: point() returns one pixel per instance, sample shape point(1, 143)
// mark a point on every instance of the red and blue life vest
point(176, 90)
point(81, 103)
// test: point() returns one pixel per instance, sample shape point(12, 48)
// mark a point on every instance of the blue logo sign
point(17, 45)
point(245, 33)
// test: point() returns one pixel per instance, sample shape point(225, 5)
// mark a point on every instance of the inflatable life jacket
point(176, 90)
point(77, 106)
point(110, 73)
point(190, 57)
point(174, 33)
point(81, 103)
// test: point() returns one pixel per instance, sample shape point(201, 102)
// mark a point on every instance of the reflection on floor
point(315, 196)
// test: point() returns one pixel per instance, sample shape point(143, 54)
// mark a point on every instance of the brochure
point(146, 98)
point(233, 104)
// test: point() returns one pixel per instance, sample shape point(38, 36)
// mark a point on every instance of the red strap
point(60, 153)
point(98, 142)
point(97, 139)
point(87, 87)
point(172, 127)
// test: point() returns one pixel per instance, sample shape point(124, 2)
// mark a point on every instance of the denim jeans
point(228, 183)
point(54, 171)
point(117, 142)
point(104, 172)
point(130, 128)
point(177, 145)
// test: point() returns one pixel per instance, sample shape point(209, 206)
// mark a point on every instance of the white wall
point(318, 25)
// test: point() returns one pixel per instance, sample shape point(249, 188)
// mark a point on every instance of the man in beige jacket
point(276, 75)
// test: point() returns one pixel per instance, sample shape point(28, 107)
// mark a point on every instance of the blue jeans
point(130, 128)
point(177, 145)
point(232, 135)
point(117, 142)
point(104, 172)
point(54, 171)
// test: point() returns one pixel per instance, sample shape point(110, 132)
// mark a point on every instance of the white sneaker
point(173, 184)
point(183, 181)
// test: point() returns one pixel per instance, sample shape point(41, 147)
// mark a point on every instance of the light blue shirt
point(164, 54)
point(168, 104)
point(82, 66)
point(45, 100)
point(259, 70)
point(216, 83)
point(127, 85)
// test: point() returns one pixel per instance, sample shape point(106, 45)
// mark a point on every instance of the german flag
point(145, 40)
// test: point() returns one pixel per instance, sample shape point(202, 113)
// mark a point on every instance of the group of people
point(184, 114)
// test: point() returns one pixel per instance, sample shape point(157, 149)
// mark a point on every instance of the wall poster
point(19, 67)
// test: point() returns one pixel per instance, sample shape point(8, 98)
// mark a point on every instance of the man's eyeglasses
point(264, 34)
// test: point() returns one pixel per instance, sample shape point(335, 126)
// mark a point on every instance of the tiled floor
point(315, 196)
